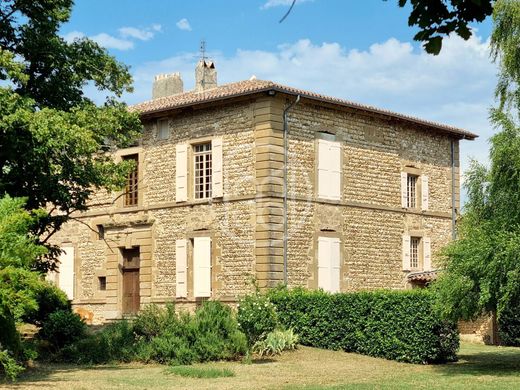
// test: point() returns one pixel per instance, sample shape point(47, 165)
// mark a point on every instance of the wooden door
point(131, 294)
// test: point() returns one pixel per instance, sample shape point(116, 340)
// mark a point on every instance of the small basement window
point(102, 283)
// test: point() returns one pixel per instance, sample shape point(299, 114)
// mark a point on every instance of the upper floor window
point(411, 191)
point(414, 190)
point(132, 182)
point(329, 169)
point(202, 170)
point(163, 129)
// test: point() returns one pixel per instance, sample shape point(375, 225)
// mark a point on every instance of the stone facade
point(246, 224)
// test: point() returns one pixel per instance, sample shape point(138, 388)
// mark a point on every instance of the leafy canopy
point(52, 136)
point(483, 265)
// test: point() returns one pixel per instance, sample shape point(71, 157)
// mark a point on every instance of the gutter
point(285, 153)
point(453, 200)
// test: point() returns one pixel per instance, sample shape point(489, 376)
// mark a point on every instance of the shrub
point(9, 367)
point(62, 328)
point(49, 299)
point(153, 321)
point(257, 317)
point(397, 325)
point(276, 342)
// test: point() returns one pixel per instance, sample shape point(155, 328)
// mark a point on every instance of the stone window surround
point(120, 198)
point(191, 169)
point(420, 235)
point(413, 170)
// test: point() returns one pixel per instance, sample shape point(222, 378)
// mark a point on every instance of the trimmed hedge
point(396, 325)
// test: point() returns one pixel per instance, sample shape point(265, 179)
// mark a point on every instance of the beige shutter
point(335, 265)
point(323, 169)
point(406, 252)
point(424, 190)
point(427, 254)
point(202, 267)
point(181, 265)
point(335, 170)
point(324, 263)
point(404, 189)
point(216, 164)
point(181, 173)
point(66, 271)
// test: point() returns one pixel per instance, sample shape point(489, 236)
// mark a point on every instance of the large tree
point(482, 268)
point(52, 136)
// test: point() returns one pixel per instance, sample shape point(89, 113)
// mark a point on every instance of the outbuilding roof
point(254, 86)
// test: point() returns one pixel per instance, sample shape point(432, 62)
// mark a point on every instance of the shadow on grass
point(496, 361)
point(45, 372)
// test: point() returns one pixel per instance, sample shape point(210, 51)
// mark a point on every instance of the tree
point(439, 18)
point(52, 137)
point(482, 267)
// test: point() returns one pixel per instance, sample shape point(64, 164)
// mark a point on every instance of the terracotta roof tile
point(423, 276)
point(247, 87)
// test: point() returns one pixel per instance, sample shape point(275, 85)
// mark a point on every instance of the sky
point(356, 50)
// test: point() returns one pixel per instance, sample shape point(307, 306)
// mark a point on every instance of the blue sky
point(358, 50)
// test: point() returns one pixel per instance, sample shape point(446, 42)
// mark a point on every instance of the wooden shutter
point(404, 189)
point(202, 267)
point(181, 265)
point(181, 173)
point(335, 170)
point(324, 263)
point(323, 169)
point(406, 252)
point(66, 270)
point(424, 191)
point(335, 265)
point(427, 254)
point(216, 173)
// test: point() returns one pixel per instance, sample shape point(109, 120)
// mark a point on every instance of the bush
point(9, 367)
point(276, 342)
point(62, 328)
point(396, 325)
point(257, 317)
point(49, 299)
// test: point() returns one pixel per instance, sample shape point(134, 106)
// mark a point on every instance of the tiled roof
point(252, 86)
point(424, 276)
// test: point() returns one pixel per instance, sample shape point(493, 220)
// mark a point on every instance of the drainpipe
point(285, 152)
point(453, 200)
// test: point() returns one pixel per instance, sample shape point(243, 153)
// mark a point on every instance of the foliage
point(62, 328)
point(505, 49)
point(397, 325)
point(509, 313)
point(257, 317)
point(160, 335)
point(438, 18)
point(201, 372)
point(9, 367)
point(276, 342)
point(49, 299)
point(51, 134)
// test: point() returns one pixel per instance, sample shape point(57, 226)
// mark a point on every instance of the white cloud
point(156, 27)
point(183, 24)
point(132, 32)
point(111, 42)
point(455, 87)
point(71, 36)
point(277, 3)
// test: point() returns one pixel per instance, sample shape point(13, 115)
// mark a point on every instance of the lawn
point(479, 366)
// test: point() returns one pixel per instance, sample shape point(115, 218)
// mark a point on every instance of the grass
point(479, 366)
point(201, 372)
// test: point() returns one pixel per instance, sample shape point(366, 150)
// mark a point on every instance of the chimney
point(205, 75)
point(166, 85)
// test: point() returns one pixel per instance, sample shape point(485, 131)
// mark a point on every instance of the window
point(329, 264)
point(101, 232)
point(66, 271)
point(414, 252)
point(329, 170)
point(202, 170)
point(131, 189)
point(202, 267)
point(102, 283)
point(411, 191)
point(163, 129)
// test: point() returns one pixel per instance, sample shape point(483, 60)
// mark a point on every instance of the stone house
point(258, 181)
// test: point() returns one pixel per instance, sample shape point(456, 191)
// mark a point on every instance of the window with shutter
point(217, 171)
point(424, 193)
point(202, 159)
point(427, 254)
point(406, 252)
point(181, 265)
point(329, 264)
point(66, 271)
point(329, 170)
point(202, 266)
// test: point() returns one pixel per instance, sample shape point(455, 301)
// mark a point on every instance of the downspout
point(285, 153)
point(453, 200)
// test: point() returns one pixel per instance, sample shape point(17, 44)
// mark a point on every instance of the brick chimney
point(205, 75)
point(166, 85)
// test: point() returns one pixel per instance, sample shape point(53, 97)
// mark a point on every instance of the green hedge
point(397, 325)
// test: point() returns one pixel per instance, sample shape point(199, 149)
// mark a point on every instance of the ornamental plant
point(256, 317)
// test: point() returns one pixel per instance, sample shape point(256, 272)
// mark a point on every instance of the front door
point(131, 295)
